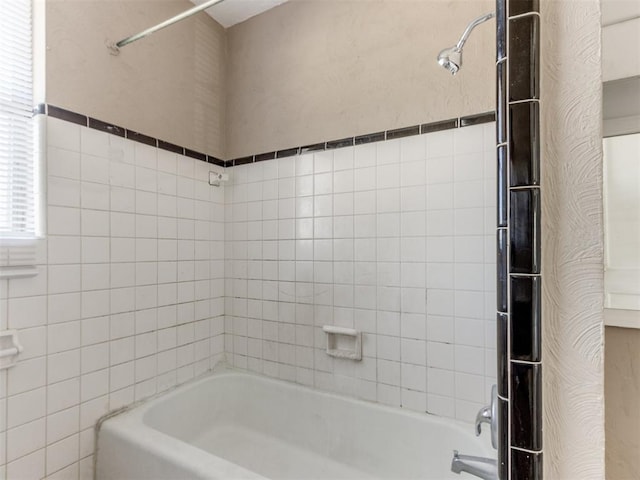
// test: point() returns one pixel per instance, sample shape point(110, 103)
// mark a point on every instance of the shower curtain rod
point(115, 47)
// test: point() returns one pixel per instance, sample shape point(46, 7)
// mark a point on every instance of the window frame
point(19, 255)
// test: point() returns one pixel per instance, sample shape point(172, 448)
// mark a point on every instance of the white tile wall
point(129, 300)
point(395, 239)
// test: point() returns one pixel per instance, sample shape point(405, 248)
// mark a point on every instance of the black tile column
point(519, 281)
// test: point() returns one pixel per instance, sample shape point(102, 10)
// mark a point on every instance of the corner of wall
point(572, 240)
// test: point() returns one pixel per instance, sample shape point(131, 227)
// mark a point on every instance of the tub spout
point(481, 467)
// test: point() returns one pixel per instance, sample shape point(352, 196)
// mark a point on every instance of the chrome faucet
point(483, 416)
point(485, 468)
point(481, 467)
point(489, 414)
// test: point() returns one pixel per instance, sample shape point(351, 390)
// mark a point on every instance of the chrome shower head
point(451, 58)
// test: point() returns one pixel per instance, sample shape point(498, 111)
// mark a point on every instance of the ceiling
point(230, 12)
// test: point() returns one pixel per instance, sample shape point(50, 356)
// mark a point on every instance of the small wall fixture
point(343, 342)
point(10, 348)
point(215, 178)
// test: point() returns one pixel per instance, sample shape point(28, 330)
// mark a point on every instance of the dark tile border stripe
point(216, 161)
point(313, 148)
point(518, 142)
point(196, 155)
point(264, 156)
point(142, 138)
point(403, 132)
point(370, 138)
point(67, 115)
point(382, 136)
point(525, 465)
point(291, 152)
point(394, 134)
point(106, 127)
point(343, 142)
point(439, 126)
point(170, 147)
point(477, 119)
point(242, 161)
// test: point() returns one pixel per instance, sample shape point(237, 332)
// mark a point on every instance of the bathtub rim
point(226, 370)
point(129, 423)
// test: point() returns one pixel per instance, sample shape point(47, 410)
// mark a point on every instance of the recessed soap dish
point(9, 348)
point(343, 342)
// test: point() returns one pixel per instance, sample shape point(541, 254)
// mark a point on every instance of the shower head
point(451, 58)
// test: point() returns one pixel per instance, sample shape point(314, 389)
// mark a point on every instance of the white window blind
point(17, 127)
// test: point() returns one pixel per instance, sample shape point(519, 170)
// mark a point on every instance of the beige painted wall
point(169, 85)
point(573, 332)
point(303, 72)
point(622, 390)
point(310, 71)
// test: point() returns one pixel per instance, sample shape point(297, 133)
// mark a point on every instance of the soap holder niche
point(10, 348)
point(343, 342)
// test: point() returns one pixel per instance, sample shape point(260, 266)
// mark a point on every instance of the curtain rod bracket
point(113, 48)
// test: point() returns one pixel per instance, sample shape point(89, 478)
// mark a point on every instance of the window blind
point(17, 126)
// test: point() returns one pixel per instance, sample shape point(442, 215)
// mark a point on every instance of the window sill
point(622, 318)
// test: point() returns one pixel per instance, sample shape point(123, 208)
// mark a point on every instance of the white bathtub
point(236, 425)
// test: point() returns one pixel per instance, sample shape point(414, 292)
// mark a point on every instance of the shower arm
point(115, 47)
point(470, 28)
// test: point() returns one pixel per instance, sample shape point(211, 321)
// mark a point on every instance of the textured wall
point(310, 71)
point(169, 85)
point(622, 367)
point(572, 241)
